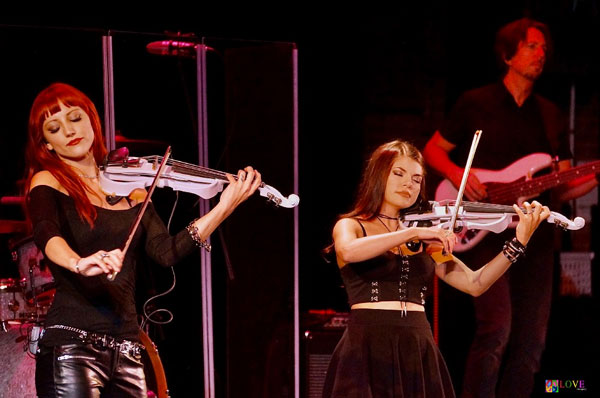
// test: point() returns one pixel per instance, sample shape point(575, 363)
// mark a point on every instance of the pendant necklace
point(84, 176)
point(413, 246)
point(90, 177)
point(380, 216)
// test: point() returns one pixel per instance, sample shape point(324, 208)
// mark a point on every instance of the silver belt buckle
point(127, 346)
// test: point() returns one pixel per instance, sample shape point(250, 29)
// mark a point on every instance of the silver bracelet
point(193, 231)
point(513, 249)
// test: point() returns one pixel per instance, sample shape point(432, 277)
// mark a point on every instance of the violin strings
point(484, 207)
point(192, 169)
point(198, 170)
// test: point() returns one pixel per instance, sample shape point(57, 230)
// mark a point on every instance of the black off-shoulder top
point(94, 303)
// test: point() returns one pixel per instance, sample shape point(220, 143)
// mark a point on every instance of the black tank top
point(389, 277)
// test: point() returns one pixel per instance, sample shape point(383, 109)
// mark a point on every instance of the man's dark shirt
point(509, 131)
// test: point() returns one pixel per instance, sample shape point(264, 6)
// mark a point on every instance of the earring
point(49, 146)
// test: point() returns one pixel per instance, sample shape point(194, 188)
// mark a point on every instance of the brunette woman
point(388, 349)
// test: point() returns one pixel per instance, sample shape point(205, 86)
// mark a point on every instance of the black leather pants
point(87, 371)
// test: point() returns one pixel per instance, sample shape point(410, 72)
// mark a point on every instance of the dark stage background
point(363, 80)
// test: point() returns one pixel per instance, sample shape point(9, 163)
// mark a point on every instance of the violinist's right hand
point(474, 189)
point(437, 237)
point(248, 181)
point(101, 262)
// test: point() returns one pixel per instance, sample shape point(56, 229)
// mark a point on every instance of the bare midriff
point(389, 305)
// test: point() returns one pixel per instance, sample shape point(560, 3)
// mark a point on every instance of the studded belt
point(102, 340)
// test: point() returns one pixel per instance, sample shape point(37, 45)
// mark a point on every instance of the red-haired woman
point(387, 349)
point(90, 346)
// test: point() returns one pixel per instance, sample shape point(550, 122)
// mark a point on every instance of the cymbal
point(124, 140)
point(140, 146)
point(10, 285)
point(12, 226)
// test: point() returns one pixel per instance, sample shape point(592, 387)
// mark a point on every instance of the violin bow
point(465, 177)
point(140, 214)
point(457, 204)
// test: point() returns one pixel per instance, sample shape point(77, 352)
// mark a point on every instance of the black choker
point(387, 217)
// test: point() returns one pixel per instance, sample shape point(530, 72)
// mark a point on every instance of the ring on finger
point(104, 255)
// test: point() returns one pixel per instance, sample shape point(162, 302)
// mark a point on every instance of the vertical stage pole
point(296, 233)
point(109, 94)
point(207, 318)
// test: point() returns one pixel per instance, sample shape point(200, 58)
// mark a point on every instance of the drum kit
point(24, 303)
point(27, 299)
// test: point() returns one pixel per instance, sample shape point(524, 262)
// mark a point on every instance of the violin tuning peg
point(273, 199)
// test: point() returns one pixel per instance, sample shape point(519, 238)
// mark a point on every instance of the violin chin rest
point(113, 199)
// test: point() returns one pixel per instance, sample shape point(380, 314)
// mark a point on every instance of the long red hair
point(39, 157)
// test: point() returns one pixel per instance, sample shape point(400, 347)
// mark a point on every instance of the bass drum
point(17, 373)
point(156, 381)
point(39, 287)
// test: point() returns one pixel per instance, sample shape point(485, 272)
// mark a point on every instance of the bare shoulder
point(345, 225)
point(44, 177)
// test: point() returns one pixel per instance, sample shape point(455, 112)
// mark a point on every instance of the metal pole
point(296, 234)
point(572, 104)
point(109, 93)
point(207, 318)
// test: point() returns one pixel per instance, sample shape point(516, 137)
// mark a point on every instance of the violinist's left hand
point(530, 220)
point(248, 181)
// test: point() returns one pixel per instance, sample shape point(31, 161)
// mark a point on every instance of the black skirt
point(383, 354)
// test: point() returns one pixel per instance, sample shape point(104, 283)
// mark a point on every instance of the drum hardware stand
point(32, 264)
point(37, 330)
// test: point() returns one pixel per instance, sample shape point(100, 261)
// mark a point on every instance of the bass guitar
point(513, 184)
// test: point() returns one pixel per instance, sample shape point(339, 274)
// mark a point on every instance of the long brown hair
point(39, 157)
point(370, 195)
point(371, 190)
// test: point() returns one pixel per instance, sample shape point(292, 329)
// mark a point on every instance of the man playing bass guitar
point(511, 317)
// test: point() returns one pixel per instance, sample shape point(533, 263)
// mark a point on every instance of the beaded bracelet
point(193, 230)
point(513, 249)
